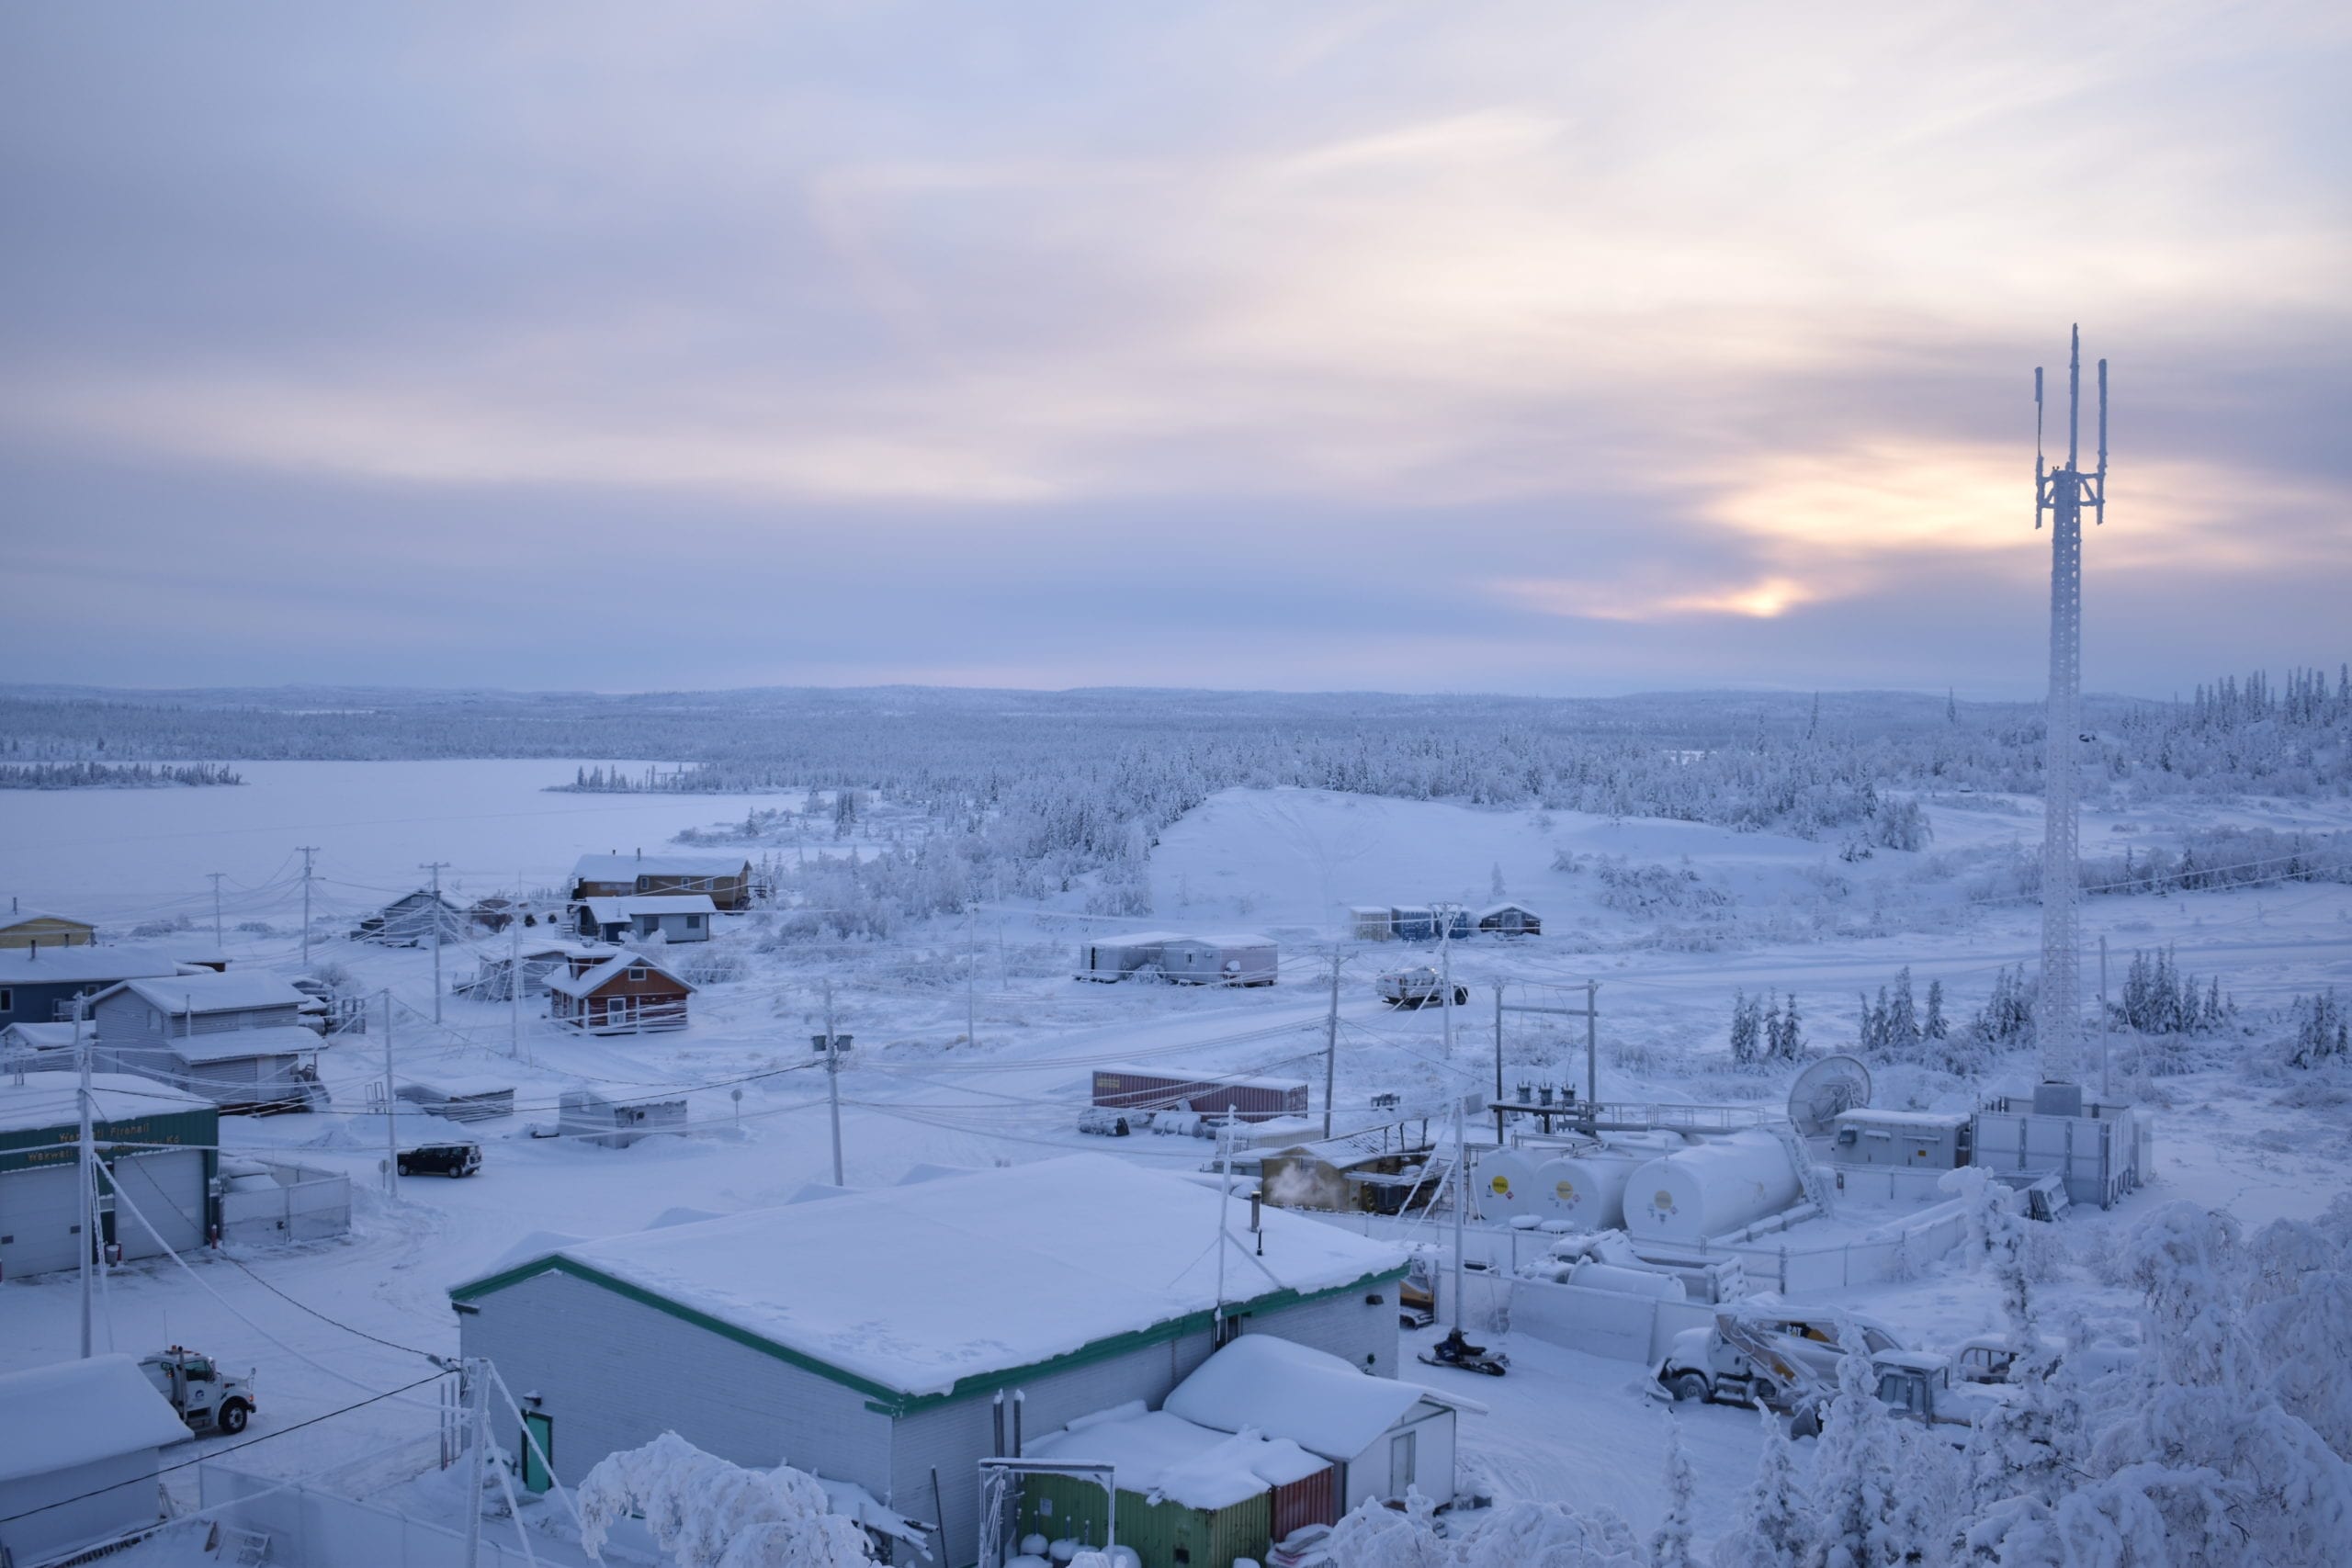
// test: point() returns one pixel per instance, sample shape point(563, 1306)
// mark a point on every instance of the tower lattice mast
point(2064, 494)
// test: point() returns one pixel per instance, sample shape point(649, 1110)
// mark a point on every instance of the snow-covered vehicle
point(207, 1398)
point(1764, 1352)
point(1916, 1386)
point(1417, 987)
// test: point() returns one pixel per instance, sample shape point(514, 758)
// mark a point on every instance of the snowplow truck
point(1915, 1385)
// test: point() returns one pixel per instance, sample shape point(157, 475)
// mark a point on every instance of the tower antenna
point(2063, 493)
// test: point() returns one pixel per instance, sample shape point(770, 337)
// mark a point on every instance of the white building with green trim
point(880, 1337)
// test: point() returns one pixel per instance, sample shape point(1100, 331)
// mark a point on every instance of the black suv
point(441, 1159)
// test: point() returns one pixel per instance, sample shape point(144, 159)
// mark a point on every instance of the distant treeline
point(113, 775)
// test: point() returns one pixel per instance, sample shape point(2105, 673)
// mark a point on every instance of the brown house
point(726, 879)
point(625, 994)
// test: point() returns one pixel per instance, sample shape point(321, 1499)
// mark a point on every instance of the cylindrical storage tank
point(1505, 1186)
point(1587, 1191)
point(1711, 1188)
point(1626, 1282)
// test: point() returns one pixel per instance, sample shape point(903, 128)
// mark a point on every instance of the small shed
point(1123, 957)
point(625, 994)
point(78, 1461)
point(1422, 923)
point(1211, 1094)
point(1188, 1494)
point(462, 1097)
point(1927, 1140)
point(1510, 920)
point(38, 929)
point(1379, 1171)
point(1385, 1435)
point(26, 1043)
point(612, 1116)
point(1372, 922)
point(537, 960)
point(1221, 960)
point(673, 917)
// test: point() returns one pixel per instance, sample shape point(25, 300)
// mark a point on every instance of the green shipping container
point(1165, 1535)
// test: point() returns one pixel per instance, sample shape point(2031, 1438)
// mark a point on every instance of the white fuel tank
point(1589, 1191)
point(1505, 1186)
point(1713, 1187)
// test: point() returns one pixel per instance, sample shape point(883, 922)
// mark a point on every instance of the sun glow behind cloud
point(1743, 343)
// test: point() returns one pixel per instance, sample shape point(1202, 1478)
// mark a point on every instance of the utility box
point(2100, 1155)
point(1923, 1140)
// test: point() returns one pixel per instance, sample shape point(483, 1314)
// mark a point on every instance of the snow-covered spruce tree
point(705, 1513)
point(1548, 1535)
point(1933, 1028)
point(1744, 1024)
point(1495, 881)
point(1881, 1490)
point(1670, 1543)
point(1903, 1018)
point(2322, 1032)
point(1791, 1045)
point(2299, 1310)
point(2193, 1462)
point(1377, 1536)
point(1776, 1517)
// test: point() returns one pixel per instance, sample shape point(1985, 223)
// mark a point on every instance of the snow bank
point(1311, 1396)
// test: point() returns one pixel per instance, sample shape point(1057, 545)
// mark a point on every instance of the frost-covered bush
point(710, 964)
point(705, 1513)
point(1654, 889)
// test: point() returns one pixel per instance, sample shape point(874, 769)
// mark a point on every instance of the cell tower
point(2064, 494)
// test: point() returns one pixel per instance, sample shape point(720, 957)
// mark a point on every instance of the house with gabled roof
point(625, 994)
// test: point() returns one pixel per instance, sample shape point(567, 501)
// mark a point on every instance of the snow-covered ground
point(326, 1323)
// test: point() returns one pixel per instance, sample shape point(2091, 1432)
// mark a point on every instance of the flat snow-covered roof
point(628, 868)
point(1184, 1075)
point(83, 965)
point(52, 1100)
point(624, 906)
point(1155, 1452)
point(207, 992)
point(76, 1413)
point(43, 1036)
point(967, 1275)
point(227, 1044)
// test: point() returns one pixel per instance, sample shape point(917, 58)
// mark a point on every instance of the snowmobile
point(1456, 1351)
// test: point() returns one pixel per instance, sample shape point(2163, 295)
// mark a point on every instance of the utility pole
point(391, 1127)
point(1332, 1042)
point(1499, 1063)
point(308, 851)
point(833, 1081)
point(478, 1385)
point(217, 940)
point(971, 972)
point(1461, 1200)
point(2064, 494)
point(514, 974)
point(434, 867)
point(1592, 1049)
point(89, 1205)
point(2102, 1018)
point(1445, 959)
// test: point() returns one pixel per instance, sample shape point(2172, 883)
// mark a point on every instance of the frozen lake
point(121, 855)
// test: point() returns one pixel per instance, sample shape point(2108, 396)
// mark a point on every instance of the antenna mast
point(2064, 494)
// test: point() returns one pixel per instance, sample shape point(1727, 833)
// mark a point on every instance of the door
point(167, 1190)
point(1402, 1456)
point(39, 1228)
point(539, 1449)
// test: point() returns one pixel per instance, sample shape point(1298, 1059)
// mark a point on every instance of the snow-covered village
point(1074, 787)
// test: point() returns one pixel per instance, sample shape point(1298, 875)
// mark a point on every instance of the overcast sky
point(1552, 348)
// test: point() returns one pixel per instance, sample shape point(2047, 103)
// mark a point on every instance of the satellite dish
point(1829, 1086)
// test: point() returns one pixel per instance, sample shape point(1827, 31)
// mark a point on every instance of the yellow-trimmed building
point(31, 928)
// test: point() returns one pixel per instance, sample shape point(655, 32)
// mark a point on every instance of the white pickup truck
point(1418, 987)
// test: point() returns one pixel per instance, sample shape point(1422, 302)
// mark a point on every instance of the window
point(1401, 1462)
point(7, 999)
point(637, 973)
point(694, 922)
